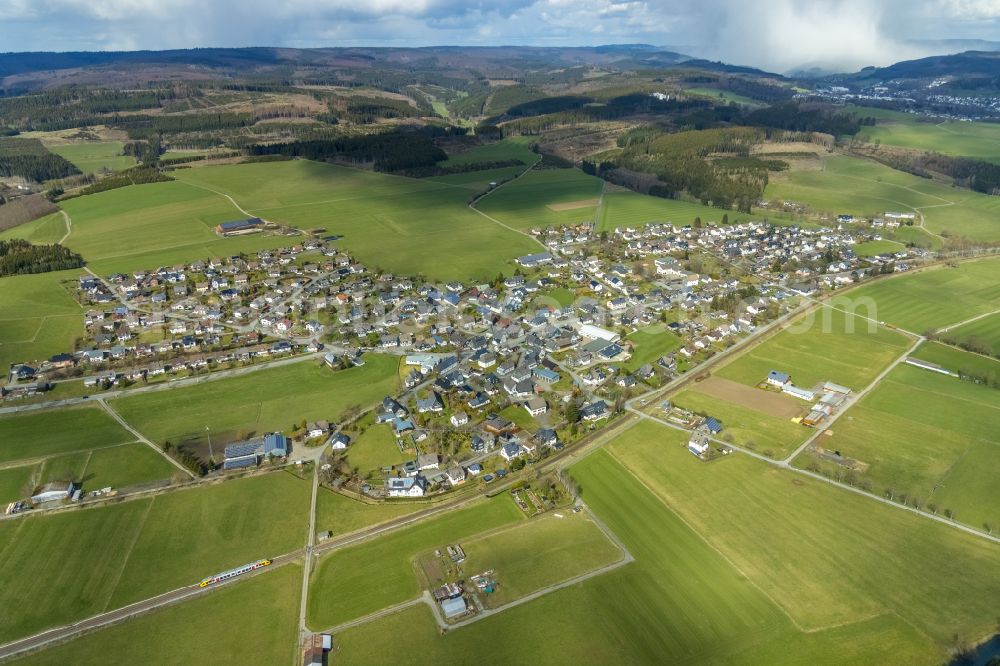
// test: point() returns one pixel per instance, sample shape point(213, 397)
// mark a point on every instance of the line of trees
point(389, 152)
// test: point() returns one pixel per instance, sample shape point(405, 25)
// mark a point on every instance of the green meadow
point(382, 571)
point(874, 248)
point(933, 298)
point(124, 466)
point(44, 231)
point(514, 148)
point(16, 483)
point(146, 226)
point(404, 225)
point(39, 434)
point(258, 402)
point(651, 343)
point(986, 330)
point(685, 599)
point(525, 203)
point(106, 557)
point(374, 448)
point(630, 209)
point(722, 96)
point(199, 630)
point(961, 139)
point(957, 360)
point(915, 434)
point(825, 344)
point(94, 156)
point(862, 187)
point(340, 514)
point(38, 316)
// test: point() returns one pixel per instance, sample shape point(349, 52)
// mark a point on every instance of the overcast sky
point(774, 34)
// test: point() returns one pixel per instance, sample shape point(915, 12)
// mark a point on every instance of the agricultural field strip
point(26, 462)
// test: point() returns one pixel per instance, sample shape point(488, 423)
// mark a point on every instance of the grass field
point(986, 330)
point(681, 601)
point(862, 187)
point(915, 433)
point(404, 225)
point(124, 466)
point(374, 448)
point(770, 435)
point(524, 203)
point(957, 360)
point(16, 483)
point(630, 209)
point(936, 297)
point(515, 148)
point(44, 433)
point(145, 226)
point(45, 230)
point(827, 557)
point(103, 558)
point(198, 631)
point(722, 96)
point(544, 551)
point(961, 139)
point(38, 317)
point(824, 345)
point(117, 466)
point(190, 534)
point(651, 343)
point(234, 407)
point(382, 570)
point(874, 248)
point(94, 156)
point(340, 514)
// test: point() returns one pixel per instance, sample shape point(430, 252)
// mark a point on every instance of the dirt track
point(765, 402)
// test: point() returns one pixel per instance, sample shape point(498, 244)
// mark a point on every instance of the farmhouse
point(240, 227)
point(699, 443)
point(776, 378)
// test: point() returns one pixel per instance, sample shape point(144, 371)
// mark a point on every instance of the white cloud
point(774, 34)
